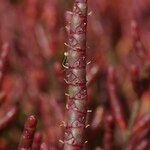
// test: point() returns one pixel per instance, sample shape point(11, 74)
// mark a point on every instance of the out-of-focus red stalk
point(37, 141)
point(142, 123)
point(31, 12)
point(98, 118)
point(51, 17)
point(3, 55)
point(108, 141)
point(9, 117)
point(138, 138)
point(45, 112)
point(137, 43)
point(140, 85)
point(28, 133)
point(145, 104)
point(135, 78)
point(143, 145)
point(50, 118)
point(2, 98)
point(92, 74)
point(115, 103)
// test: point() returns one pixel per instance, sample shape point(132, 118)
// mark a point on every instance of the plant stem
point(76, 77)
point(28, 133)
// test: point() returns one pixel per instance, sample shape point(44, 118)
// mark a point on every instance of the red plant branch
point(139, 139)
point(3, 55)
point(28, 133)
point(140, 84)
point(9, 117)
point(109, 132)
point(142, 123)
point(115, 103)
point(137, 43)
point(37, 141)
point(76, 78)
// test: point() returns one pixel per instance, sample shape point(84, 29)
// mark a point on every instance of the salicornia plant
point(76, 78)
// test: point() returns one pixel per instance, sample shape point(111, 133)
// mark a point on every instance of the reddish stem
point(9, 117)
point(37, 141)
point(116, 105)
point(3, 56)
point(137, 43)
point(142, 123)
point(109, 132)
point(76, 77)
point(138, 138)
point(140, 85)
point(28, 133)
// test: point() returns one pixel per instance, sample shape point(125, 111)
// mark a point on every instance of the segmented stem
point(76, 77)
